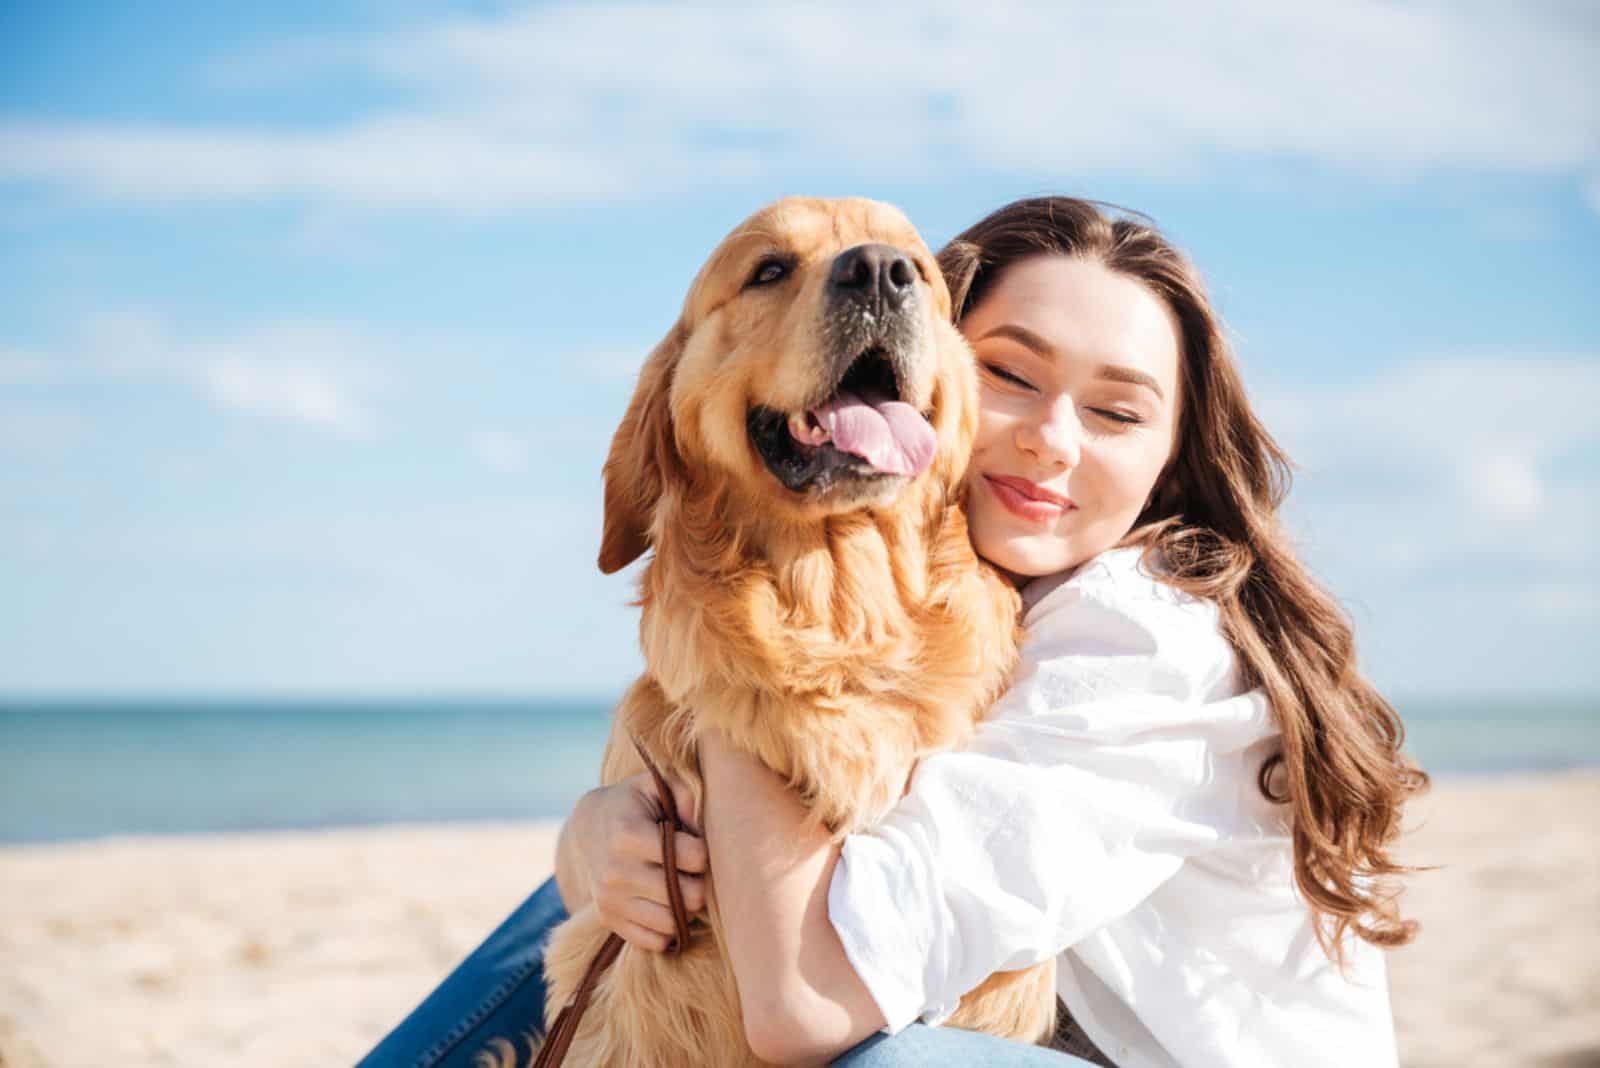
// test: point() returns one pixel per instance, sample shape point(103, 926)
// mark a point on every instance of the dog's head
point(813, 371)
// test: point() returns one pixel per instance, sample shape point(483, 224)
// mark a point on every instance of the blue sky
point(317, 318)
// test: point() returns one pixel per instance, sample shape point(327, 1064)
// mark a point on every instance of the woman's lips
point(1026, 500)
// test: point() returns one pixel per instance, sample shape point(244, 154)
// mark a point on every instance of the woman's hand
point(610, 854)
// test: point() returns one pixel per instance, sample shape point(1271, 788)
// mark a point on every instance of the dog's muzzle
point(857, 427)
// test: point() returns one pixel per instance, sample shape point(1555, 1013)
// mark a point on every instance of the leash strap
point(565, 1028)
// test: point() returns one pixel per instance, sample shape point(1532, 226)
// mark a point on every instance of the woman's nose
point(1055, 436)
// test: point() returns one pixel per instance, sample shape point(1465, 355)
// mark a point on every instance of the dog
point(793, 456)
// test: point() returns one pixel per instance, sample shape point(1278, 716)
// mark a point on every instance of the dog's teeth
point(801, 430)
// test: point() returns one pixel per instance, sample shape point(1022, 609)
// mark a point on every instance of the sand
point(1506, 970)
point(305, 948)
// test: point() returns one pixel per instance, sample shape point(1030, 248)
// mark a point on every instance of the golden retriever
point(793, 455)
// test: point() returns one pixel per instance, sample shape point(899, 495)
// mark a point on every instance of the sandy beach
point(304, 948)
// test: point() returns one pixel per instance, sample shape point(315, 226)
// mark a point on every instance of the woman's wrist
point(572, 874)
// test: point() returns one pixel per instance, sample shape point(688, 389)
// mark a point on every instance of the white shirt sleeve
point(1117, 754)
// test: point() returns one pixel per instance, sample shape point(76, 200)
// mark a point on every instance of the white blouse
point(1108, 814)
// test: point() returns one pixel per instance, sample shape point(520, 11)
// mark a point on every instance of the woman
point(1187, 797)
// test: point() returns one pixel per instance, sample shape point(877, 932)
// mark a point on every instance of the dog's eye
point(768, 271)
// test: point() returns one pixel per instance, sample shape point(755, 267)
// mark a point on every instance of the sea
point(75, 769)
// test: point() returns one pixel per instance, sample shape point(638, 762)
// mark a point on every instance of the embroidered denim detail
point(497, 991)
point(497, 997)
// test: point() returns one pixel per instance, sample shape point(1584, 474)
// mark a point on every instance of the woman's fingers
point(642, 937)
point(692, 855)
point(640, 835)
point(644, 923)
point(640, 839)
point(683, 797)
point(636, 919)
point(693, 888)
point(650, 884)
point(652, 916)
point(626, 878)
point(644, 786)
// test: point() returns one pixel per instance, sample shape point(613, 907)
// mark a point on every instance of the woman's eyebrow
point(1118, 373)
point(1022, 335)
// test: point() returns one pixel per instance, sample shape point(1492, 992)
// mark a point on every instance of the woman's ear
point(644, 456)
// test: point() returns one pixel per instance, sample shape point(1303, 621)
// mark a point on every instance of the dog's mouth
point(861, 431)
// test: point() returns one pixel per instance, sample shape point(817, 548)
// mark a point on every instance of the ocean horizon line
point(336, 696)
point(80, 766)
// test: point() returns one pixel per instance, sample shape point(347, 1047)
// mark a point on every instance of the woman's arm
point(990, 863)
point(1124, 748)
point(802, 1001)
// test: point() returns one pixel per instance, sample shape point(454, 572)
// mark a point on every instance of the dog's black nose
point(874, 272)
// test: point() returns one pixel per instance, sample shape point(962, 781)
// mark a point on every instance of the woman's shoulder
point(1125, 581)
point(1115, 611)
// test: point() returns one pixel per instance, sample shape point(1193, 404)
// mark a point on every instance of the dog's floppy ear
point(643, 456)
point(959, 263)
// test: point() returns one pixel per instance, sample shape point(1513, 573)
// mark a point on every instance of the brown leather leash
point(554, 1050)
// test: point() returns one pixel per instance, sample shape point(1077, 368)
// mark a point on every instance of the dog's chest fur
point(838, 659)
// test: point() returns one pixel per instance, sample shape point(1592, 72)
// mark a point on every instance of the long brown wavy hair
point(1212, 529)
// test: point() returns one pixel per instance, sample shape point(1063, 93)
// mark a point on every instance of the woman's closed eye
point(1125, 418)
point(1006, 376)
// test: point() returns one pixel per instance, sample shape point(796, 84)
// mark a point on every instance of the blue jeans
point(498, 992)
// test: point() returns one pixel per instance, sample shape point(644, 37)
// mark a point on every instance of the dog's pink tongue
point(890, 435)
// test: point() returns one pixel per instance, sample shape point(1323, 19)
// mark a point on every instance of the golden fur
point(838, 636)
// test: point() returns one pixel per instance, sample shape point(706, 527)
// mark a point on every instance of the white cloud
point(479, 393)
point(306, 373)
point(1462, 408)
point(1438, 459)
point(1450, 504)
point(382, 161)
point(1505, 487)
point(562, 103)
point(295, 392)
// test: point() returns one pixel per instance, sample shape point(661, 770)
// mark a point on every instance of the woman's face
point(1078, 372)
